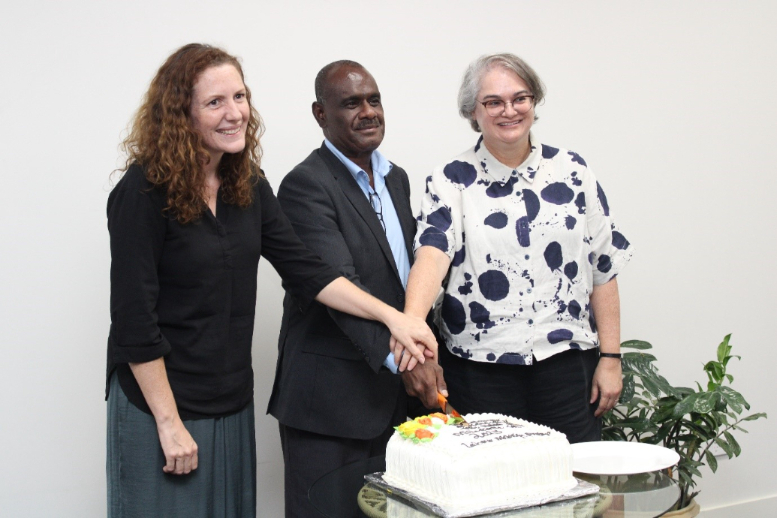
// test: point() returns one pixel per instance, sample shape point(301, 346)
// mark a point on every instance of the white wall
point(673, 104)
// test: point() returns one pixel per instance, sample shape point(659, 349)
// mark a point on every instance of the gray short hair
point(470, 83)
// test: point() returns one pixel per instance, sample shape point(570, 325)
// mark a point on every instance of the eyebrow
point(358, 98)
point(517, 94)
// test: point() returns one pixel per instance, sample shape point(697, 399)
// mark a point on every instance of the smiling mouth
point(229, 132)
point(368, 125)
point(511, 123)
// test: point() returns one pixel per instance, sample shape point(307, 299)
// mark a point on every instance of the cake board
point(582, 488)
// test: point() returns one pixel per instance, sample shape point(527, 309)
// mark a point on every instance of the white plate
point(621, 457)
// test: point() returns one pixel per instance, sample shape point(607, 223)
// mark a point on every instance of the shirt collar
point(380, 168)
point(502, 173)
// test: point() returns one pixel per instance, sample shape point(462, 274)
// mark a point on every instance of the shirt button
point(528, 291)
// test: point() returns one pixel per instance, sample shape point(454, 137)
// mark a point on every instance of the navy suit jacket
point(329, 377)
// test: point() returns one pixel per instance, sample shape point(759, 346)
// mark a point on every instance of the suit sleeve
point(312, 212)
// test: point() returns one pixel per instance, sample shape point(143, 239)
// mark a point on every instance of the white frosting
point(492, 462)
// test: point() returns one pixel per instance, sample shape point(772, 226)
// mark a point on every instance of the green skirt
point(223, 486)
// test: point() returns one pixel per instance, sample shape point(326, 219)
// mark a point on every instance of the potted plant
point(689, 421)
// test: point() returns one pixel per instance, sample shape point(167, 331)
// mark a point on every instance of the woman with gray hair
point(522, 235)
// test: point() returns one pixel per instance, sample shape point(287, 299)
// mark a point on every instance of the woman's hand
point(607, 385)
point(178, 446)
point(410, 334)
point(406, 362)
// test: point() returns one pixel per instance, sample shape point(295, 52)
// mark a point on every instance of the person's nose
point(233, 112)
point(368, 111)
point(509, 106)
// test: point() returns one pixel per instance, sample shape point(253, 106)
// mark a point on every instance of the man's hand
point(607, 385)
point(424, 381)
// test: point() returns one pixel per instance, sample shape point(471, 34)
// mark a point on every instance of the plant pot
point(688, 511)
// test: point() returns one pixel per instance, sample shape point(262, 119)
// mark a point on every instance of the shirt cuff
point(389, 363)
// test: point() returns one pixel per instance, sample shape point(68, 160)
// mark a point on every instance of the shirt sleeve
point(304, 274)
point(439, 220)
point(390, 365)
point(610, 250)
point(137, 232)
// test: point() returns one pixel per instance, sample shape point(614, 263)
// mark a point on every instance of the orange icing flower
point(424, 420)
point(423, 433)
point(440, 415)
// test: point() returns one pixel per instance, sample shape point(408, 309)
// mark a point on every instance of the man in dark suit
point(336, 394)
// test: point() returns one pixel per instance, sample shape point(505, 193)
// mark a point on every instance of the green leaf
point(664, 386)
point(753, 417)
point(736, 449)
point(613, 433)
point(716, 371)
point(692, 470)
point(638, 357)
point(652, 387)
point(712, 462)
point(726, 447)
point(733, 398)
point(661, 434)
point(628, 389)
point(724, 348)
point(636, 344)
point(705, 402)
point(685, 406)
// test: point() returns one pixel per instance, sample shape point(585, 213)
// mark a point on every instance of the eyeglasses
point(377, 206)
point(496, 107)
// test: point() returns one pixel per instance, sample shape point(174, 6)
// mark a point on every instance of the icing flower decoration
point(408, 428)
point(424, 433)
point(426, 427)
point(440, 416)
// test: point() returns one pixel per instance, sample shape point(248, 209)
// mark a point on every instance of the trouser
point(554, 392)
point(308, 456)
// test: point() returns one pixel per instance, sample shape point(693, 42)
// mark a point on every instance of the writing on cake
point(491, 430)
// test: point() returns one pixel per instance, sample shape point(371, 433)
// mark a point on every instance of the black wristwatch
point(611, 355)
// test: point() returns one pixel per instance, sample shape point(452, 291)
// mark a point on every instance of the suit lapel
point(359, 201)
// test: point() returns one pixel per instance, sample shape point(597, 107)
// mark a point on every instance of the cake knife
point(447, 408)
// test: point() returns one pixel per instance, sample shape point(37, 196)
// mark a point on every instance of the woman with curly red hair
point(188, 222)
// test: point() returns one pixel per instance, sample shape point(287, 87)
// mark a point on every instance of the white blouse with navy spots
point(526, 248)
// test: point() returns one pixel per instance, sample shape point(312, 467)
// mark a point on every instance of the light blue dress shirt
point(380, 168)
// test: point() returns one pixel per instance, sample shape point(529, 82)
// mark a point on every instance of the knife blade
point(447, 408)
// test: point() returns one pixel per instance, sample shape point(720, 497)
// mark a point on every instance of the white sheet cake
point(493, 461)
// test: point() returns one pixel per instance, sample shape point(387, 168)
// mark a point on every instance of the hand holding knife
point(447, 408)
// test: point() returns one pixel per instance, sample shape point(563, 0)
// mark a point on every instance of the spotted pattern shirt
point(527, 246)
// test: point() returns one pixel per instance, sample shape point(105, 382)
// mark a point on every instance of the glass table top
point(344, 494)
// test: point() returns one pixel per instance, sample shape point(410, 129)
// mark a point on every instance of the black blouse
point(188, 292)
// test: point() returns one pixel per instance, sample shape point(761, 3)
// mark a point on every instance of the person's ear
point(319, 114)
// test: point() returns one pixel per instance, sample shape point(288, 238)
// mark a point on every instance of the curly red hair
point(163, 140)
